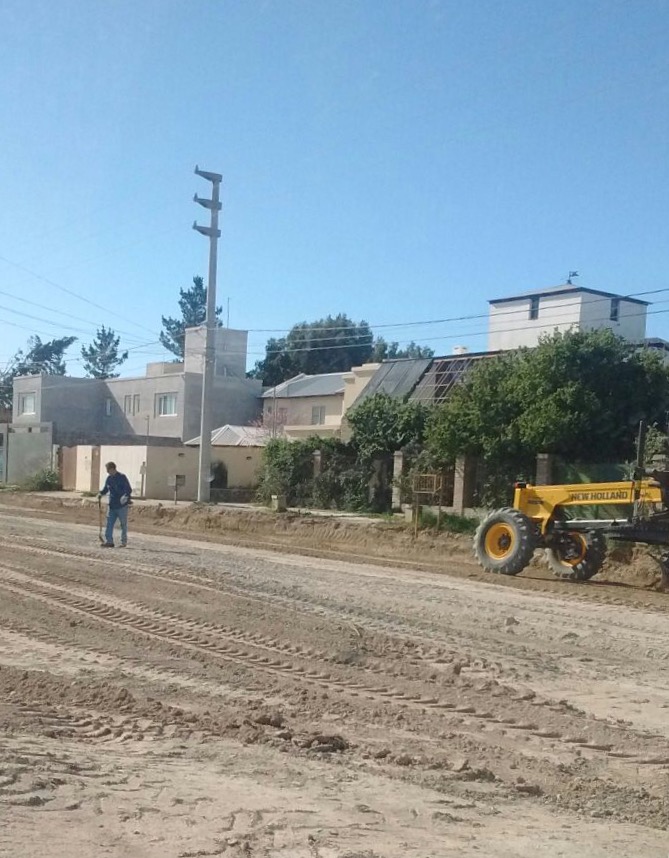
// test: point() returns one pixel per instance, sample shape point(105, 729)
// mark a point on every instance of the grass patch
point(450, 522)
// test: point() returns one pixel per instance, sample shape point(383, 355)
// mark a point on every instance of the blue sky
point(396, 160)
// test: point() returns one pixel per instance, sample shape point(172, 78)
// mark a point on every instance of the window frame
point(533, 314)
point(318, 410)
point(165, 396)
point(614, 312)
point(21, 403)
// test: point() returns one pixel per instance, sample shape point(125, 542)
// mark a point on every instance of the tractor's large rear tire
point(579, 557)
point(505, 542)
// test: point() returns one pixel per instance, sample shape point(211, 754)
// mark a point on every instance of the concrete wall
point(148, 389)
point(128, 459)
point(631, 324)
point(73, 405)
point(4, 431)
point(236, 401)
point(243, 464)
point(164, 463)
point(28, 452)
point(510, 326)
point(356, 381)
point(84, 481)
point(230, 347)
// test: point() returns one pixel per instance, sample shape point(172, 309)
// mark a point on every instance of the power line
point(424, 322)
point(72, 293)
point(369, 338)
point(96, 325)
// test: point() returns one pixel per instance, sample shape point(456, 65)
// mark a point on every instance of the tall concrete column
point(398, 467)
point(544, 475)
point(464, 483)
point(206, 417)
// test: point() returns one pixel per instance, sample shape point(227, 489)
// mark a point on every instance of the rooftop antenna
point(571, 275)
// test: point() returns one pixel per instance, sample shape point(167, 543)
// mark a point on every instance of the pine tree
point(193, 306)
point(40, 358)
point(102, 357)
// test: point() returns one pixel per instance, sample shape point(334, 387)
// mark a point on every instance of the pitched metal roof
point(396, 378)
point(326, 384)
point(235, 436)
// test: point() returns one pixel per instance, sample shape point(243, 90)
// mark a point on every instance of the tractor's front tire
point(505, 542)
point(579, 557)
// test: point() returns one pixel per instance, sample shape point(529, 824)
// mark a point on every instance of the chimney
point(460, 350)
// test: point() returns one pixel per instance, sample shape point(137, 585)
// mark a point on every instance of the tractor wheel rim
point(500, 541)
point(580, 544)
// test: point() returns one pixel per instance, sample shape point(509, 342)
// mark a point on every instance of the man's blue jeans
point(112, 515)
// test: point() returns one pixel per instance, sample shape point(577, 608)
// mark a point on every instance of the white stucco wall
point(84, 464)
point(510, 326)
point(128, 459)
point(596, 313)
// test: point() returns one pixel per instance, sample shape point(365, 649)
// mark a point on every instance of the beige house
point(153, 470)
point(240, 449)
point(309, 405)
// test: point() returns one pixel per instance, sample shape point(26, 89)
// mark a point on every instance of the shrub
point(46, 480)
point(288, 469)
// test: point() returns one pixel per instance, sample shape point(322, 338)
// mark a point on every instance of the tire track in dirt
point(423, 652)
point(299, 604)
point(222, 643)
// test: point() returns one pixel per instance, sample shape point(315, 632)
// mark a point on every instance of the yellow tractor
point(506, 539)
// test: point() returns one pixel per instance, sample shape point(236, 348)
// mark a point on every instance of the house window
point(318, 415)
point(166, 405)
point(534, 307)
point(26, 403)
point(108, 407)
point(131, 404)
point(614, 316)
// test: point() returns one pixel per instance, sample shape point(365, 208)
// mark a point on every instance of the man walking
point(119, 490)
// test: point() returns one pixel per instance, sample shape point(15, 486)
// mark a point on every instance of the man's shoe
point(123, 545)
point(107, 544)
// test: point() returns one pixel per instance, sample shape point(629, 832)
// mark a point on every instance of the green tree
point(382, 424)
point(46, 358)
point(579, 395)
point(392, 351)
point(332, 344)
point(102, 357)
point(193, 306)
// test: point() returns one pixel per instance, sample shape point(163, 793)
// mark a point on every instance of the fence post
point(544, 475)
point(398, 467)
point(464, 483)
point(318, 462)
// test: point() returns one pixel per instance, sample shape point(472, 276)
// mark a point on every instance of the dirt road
point(184, 698)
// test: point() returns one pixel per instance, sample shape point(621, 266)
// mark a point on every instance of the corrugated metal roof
point(235, 436)
point(325, 384)
point(396, 378)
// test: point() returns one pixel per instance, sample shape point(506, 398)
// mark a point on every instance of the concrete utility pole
point(214, 233)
